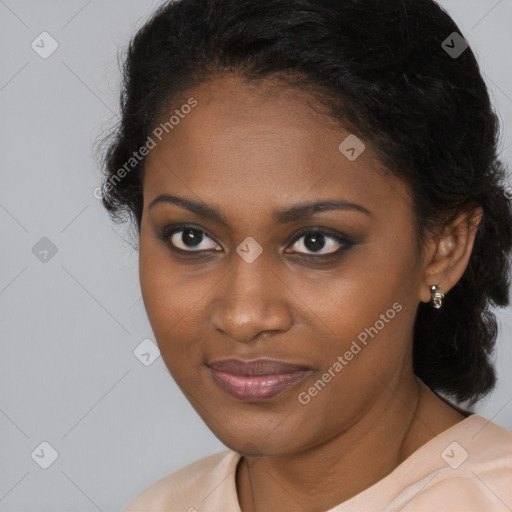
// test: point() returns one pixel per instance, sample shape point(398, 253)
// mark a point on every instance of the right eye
point(187, 238)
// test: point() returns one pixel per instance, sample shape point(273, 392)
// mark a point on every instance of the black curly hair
point(381, 69)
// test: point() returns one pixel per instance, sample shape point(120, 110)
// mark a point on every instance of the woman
point(323, 226)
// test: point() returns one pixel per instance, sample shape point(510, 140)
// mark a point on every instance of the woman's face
point(267, 285)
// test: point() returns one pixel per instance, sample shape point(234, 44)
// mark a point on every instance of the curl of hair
point(379, 69)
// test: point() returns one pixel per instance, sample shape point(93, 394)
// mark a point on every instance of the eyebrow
point(281, 215)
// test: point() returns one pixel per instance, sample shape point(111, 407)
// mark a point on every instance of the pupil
point(191, 237)
point(314, 242)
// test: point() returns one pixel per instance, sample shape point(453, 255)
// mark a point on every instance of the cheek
point(175, 305)
point(370, 280)
point(367, 313)
point(156, 285)
point(163, 298)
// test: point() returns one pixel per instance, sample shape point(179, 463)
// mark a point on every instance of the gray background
point(70, 323)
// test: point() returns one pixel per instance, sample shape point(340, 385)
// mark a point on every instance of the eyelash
point(344, 241)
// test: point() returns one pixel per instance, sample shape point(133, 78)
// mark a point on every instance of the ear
point(447, 254)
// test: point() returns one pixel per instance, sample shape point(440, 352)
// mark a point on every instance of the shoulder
point(185, 488)
point(475, 473)
point(462, 494)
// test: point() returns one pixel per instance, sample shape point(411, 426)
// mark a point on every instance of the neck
point(326, 475)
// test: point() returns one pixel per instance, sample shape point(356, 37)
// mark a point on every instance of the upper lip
point(256, 367)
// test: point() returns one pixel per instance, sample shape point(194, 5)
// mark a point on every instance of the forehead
point(259, 145)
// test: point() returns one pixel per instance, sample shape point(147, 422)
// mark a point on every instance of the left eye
point(317, 241)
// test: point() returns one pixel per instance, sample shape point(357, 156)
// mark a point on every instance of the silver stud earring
point(437, 296)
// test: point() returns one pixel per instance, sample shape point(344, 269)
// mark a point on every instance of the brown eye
point(318, 242)
point(191, 240)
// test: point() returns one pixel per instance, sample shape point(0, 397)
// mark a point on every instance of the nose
point(251, 302)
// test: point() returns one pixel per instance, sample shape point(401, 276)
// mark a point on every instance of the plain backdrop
point(72, 373)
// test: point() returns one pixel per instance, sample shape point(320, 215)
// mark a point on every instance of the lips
point(256, 380)
point(256, 368)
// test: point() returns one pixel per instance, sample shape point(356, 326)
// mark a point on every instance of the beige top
point(467, 468)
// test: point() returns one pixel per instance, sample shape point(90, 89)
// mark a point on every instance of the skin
point(247, 151)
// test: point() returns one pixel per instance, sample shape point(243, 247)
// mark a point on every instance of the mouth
point(257, 380)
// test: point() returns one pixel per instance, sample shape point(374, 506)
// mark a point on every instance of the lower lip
point(256, 387)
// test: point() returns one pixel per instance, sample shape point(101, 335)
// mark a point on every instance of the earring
point(437, 296)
